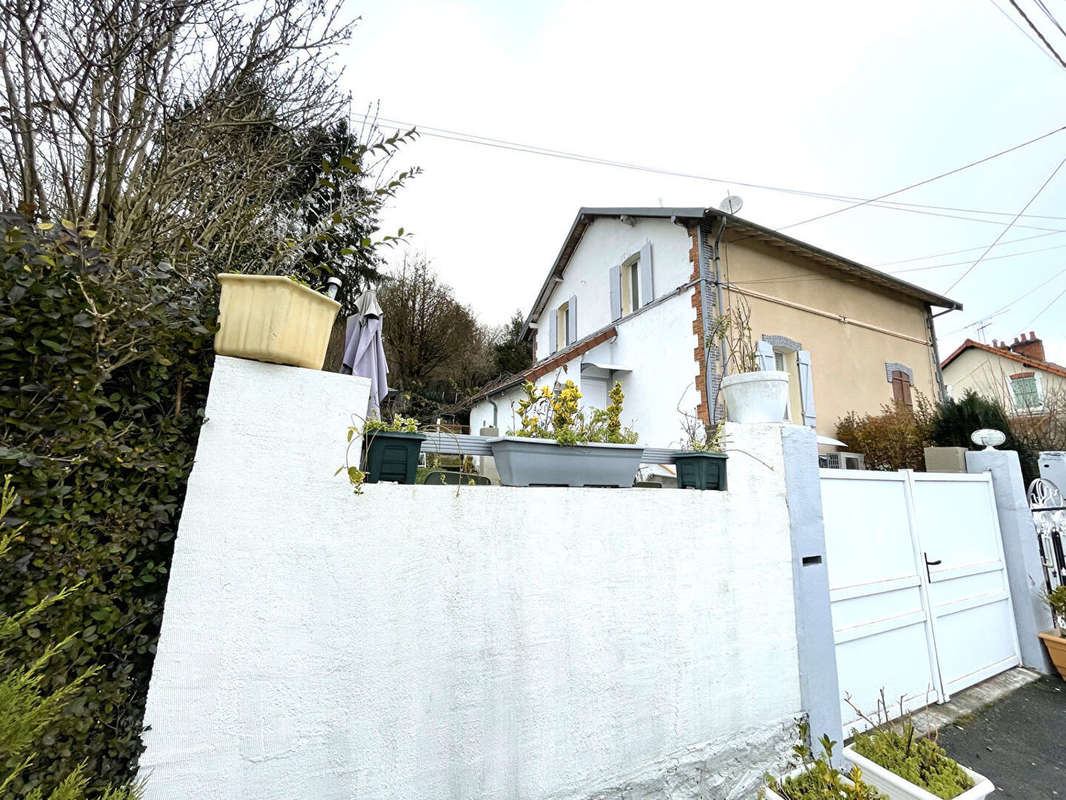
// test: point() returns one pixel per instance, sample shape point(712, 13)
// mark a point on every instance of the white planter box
point(896, 788)
point(756, 396)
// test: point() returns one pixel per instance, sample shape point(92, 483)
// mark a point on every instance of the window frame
point(562, 325)
point(1037, 387)
point(630, 284)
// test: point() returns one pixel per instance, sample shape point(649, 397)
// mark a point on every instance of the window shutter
point(901, 389)
point(764, 356)
point(615, 279)
point(803, 364)
point(647, 285)
point(553, 330)
point(571, 320)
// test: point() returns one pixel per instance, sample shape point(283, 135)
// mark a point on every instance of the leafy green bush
point(820, 780)
point(1056, 598)
point(25, 710)
point(918, 759)
point(955, 420)
point(103, 375)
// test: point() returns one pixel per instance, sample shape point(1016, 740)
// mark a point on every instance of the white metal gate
point(920, 600)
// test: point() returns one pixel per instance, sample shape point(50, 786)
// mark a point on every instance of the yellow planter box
point(271, 318)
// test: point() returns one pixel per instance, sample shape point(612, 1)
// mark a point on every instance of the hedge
point(103, 375)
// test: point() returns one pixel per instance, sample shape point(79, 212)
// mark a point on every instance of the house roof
point(542, 368)
point(1046, 366)
point(585, 217)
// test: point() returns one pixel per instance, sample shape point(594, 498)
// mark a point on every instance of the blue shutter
point(803, 362)
point(647, 286)
point(571, 320)
point(764, 356)
point(553, 331)
point(615, 279)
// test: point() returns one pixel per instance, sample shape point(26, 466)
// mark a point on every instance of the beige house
point(633, 290)
point(1018, 375)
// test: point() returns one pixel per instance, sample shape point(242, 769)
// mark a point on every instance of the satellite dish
point(732, 204)
point(989, 437)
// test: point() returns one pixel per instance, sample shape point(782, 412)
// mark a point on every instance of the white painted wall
point(607, 243)
point(416, 642)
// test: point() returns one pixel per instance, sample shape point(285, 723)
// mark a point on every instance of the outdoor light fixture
point(989, 437)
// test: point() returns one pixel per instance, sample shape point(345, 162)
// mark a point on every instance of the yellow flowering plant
point(545, 414)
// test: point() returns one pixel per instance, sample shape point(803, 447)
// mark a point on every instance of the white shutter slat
point(647, 285)
point(571, 320)
point(764, 356)
point(803, 362)
point(615, 280)
point(553, 331)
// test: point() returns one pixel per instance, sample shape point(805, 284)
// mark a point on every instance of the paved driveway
point(1018, 742)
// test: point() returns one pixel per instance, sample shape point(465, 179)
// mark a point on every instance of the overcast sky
point(845, 98)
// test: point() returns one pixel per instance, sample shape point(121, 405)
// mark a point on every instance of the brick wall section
point(704, 407)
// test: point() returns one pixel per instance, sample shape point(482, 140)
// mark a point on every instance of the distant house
point(633, 291)
point(1018, 374)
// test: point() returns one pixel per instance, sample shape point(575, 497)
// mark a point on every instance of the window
point(901, 389)
point(562, 326)
point(630, 286)
point(786, 361)
point(1025, 388)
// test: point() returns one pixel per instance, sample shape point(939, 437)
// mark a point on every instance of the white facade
point(422, 642)
point(653, 352)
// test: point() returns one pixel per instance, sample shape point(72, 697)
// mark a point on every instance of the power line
point(1045, 308)
point(908, 187)
point(1050, 16)
point(963, 250)
point(1024, 32)
point(1002, 233)
point(1036, 30)
point(1007, 306)
point(989, 258)
point(504, 144)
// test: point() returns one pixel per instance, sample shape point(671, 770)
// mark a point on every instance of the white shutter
point(553, 330)
point(803, 362)
point(764, 356)
point(571, 320)
point(647, 286)
point(615, 279)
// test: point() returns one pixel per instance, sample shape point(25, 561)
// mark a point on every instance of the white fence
point(920, 600)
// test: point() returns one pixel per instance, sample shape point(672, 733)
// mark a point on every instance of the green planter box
point(701, 470)
point(392, 456)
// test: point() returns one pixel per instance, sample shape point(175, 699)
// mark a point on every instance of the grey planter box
point(542, 462)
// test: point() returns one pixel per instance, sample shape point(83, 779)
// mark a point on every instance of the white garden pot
point(756, 396)
point(896, 788)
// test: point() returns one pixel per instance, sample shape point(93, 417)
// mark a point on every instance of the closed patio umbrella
point(364, 350)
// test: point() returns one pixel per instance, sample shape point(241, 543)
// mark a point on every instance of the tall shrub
point(894, 439)
point(102, 381)
point(956, 420)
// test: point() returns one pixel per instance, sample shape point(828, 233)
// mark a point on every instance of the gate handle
point(929, 564)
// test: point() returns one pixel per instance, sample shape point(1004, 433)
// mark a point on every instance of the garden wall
point(490, 642)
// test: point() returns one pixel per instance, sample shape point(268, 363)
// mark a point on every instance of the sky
point(845, 98)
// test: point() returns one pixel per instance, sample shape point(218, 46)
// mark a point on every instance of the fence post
point(819, 686)
point(1020, 550)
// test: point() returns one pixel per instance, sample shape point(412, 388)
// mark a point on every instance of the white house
point(632, 291)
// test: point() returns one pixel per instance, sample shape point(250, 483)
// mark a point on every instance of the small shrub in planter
point(390, 451)
point(750, 394)
point(703, 466)
point(815, 778)
point(907, 765)
point(561, 444)
point(1055, 639)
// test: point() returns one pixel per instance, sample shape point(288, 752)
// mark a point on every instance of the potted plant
point(390, 451)
point(703, 464)
point(906, 765)
point(815, 777)
point(273, 318)
point(1055, 639)
point(750, 394)
point(559, 444)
